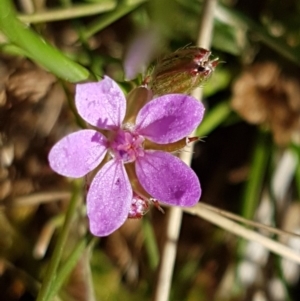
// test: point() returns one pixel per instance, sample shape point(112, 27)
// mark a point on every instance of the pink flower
point(132, 168)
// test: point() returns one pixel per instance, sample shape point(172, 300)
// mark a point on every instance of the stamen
point(127, 146)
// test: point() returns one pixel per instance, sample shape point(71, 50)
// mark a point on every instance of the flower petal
point(109, 199)
point(169, 118)
point(168, 179)
point(101, 104)
point(78, 153)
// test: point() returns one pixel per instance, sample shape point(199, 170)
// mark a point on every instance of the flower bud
point(182, 71)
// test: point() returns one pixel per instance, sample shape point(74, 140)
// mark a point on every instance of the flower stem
point(51, 274)
point(109, 18)
point(214, 118)
point(69, 264)
point(296, 150)
point(150, 244)
point(257, 172)
point(162, 291)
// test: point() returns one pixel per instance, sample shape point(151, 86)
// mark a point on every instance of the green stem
point(38, 49)
point(296, 149)
point(72, 12)
point(214, 118)
point(50, 276)
point(150, 244)
point(69, 265)
point(252, 191)
point(109, 18)
point(12, 49)
point(66, 3)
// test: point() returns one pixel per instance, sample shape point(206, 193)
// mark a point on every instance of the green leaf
point(37, 48)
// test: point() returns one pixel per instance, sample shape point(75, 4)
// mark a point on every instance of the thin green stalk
point(253, 187)
point(72, 12)
point(278, 44)
point(214, 118)
point(297, 177)
point(38, 49)
point(13, 50)
point(296, 149)
point(109, 18)
point(252, 191)
point(69, 265)
point(150, 244)
point(65, 3)
point(51, 275)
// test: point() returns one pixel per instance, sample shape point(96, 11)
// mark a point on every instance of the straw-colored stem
point(168, 257)
point(241, 231)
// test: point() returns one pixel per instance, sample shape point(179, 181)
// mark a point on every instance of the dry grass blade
point(174, 222)
point(39, 198)
point(247, 222)
point(243, 232)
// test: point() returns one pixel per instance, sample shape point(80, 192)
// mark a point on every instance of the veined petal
point(168, 179)
point(78, 153)
point(109, 199)
point(169, 118)
point(101, 104)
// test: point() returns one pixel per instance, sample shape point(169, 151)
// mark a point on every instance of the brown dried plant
point(264, 95)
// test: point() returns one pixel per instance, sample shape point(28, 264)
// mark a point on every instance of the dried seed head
point(263, 95)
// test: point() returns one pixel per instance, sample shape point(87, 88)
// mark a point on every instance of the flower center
point(127, 146)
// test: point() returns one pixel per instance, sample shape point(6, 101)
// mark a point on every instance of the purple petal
point(140, 52)
point(169, 118)
point(78, 153)
point(109, 199)
point(168, 179)
point(101, 104)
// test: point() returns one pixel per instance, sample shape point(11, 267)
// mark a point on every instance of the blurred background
point(247, 160)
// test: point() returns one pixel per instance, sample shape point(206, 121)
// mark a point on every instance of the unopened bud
point(139, 207)
point(182, 71)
